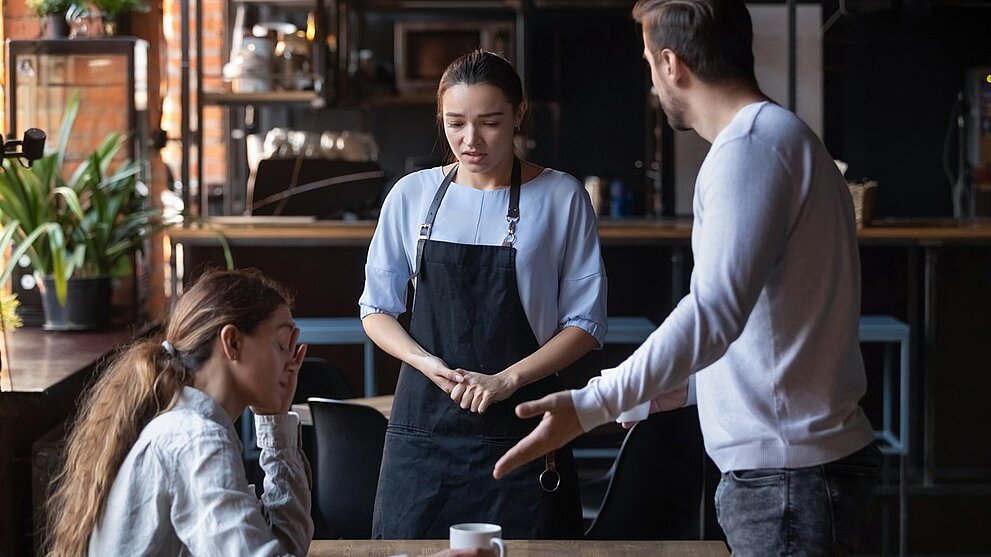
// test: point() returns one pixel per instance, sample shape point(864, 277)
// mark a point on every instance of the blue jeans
point(818, 510)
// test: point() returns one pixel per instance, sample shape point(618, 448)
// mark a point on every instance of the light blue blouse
point(559, 268)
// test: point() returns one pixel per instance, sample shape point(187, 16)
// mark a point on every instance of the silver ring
point(548, 476)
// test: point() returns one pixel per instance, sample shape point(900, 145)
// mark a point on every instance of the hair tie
point(169, 349)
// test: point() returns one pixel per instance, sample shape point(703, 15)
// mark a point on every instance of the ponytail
point(142, 382)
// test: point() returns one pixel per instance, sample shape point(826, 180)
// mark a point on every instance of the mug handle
point(498, 542)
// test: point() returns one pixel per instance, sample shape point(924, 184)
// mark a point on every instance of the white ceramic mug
point(477, 534)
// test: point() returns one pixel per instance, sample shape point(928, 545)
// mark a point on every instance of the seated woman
point(153, 464)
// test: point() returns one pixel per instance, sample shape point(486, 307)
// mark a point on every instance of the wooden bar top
point(668, 231)
point(40, 360)
point(525, 548)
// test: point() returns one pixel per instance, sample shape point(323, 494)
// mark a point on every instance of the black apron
point(438, 458)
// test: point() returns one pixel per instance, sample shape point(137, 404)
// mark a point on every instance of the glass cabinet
point(108, 73)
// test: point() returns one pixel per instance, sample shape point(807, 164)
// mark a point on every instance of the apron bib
point(438, 459)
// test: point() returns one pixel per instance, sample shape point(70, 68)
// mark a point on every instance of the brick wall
point(214, 148)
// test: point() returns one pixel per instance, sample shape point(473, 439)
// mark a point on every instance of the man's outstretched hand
point(559, 426)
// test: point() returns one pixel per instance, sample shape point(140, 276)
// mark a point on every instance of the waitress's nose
point(472, 137)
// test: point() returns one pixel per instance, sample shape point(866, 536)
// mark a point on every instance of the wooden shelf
point(302, 98)
point(287, 3)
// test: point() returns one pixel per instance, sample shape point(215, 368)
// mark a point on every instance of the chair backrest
point(349, 439)
point(319, 378)
point(655, 491)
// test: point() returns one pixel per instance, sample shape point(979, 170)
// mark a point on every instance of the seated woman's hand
point(289, 377)
point(478, 391)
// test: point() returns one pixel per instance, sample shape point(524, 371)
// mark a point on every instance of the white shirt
point(771, 320)
point(182, 489)
point(562, 282)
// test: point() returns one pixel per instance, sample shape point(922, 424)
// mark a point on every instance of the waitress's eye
point(455, 124)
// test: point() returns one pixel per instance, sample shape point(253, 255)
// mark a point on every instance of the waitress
point(509, 289)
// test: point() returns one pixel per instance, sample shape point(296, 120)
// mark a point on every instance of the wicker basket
point(863, 201)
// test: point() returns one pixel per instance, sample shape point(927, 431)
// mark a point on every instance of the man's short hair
point(714, 38)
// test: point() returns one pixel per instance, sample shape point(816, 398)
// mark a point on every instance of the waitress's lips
point(473, 156)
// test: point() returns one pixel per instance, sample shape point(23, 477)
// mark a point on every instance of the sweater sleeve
point(744, 193)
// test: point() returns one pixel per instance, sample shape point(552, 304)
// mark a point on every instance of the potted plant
point(78, 231)
point(9, 320)
point(111, 10)
point(52, 14)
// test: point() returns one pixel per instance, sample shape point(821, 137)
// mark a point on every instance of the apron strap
point(428, 223)
point(512, 213)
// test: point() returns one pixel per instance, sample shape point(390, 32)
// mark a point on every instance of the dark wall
point(589, 82)
point(893, 69)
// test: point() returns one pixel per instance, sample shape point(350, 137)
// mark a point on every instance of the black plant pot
point(87, 304)
point(55, 27)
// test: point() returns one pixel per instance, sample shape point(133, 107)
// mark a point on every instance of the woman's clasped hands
point(471, 390)
point(478, 391)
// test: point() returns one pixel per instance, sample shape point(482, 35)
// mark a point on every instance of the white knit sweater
point(770, 323)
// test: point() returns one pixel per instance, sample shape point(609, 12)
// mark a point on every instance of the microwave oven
point(423, 49)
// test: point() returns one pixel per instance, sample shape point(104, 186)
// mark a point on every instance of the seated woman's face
point(478, 122)
point(267, 361)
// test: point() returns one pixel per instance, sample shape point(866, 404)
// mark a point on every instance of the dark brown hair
point(714, 38)
point(142, 382)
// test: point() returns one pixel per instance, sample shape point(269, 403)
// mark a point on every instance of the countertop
point(612, 232)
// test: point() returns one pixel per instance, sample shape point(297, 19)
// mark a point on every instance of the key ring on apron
point(549, 479)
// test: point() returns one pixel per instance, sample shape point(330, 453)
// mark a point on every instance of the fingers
point(476, 402)
point(451, 375)
point(486, 402)
point(537, 407)
point(559, 425)
point(457, 392)
point(300, 355)
point(529, 448)
point(468, 396)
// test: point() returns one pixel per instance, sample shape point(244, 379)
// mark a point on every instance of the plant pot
point(54, 26)
point(87, 304)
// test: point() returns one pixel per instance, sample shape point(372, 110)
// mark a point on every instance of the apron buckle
point(424, 231)
point(511, 233)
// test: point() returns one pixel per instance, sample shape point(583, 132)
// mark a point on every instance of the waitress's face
point(478, 122)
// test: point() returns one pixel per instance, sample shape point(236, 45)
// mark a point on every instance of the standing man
point(768, 331)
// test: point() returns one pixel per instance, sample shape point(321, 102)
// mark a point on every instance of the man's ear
point(671, 67)
point(231, 340)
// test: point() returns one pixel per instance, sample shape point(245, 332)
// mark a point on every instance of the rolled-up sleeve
point(215, 513)
point(388, 267)
point(582, 292)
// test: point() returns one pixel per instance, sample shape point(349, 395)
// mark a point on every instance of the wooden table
point(38, 390)
point(525, 548)
point(381, 403)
